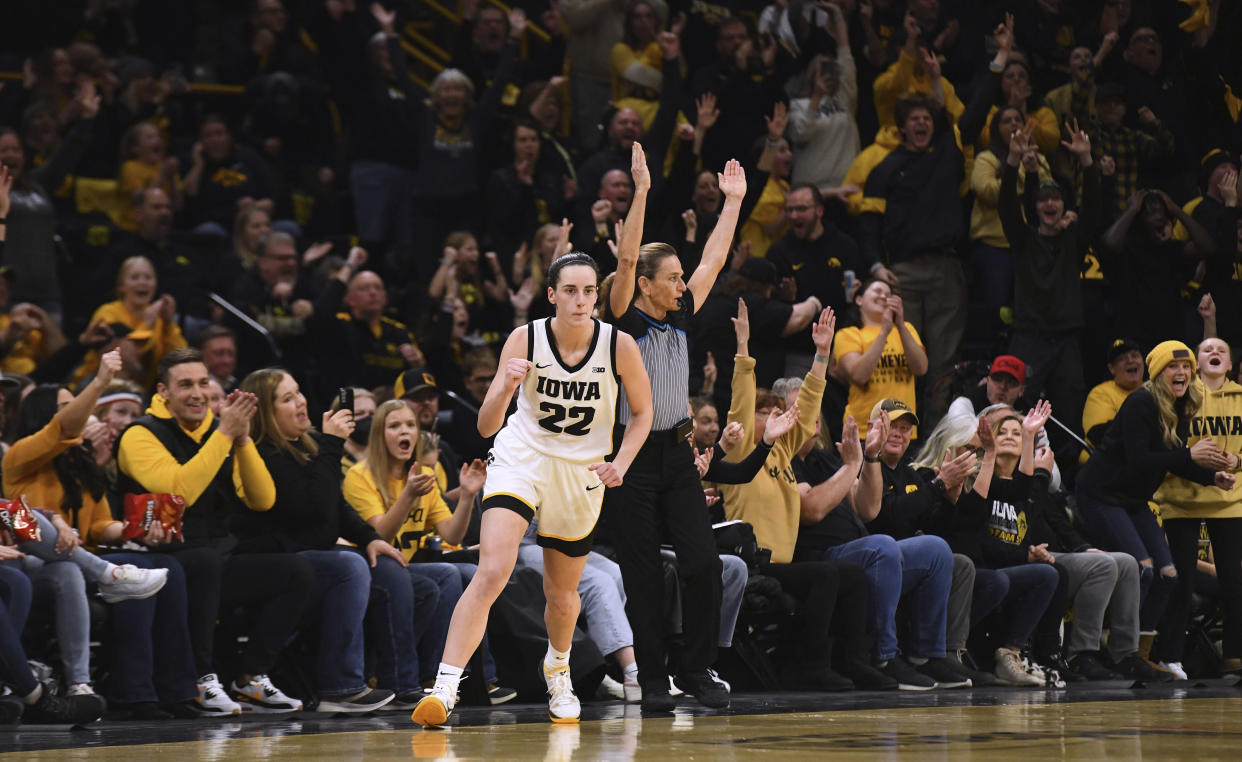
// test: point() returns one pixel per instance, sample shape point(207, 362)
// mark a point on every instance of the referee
point(662, 497)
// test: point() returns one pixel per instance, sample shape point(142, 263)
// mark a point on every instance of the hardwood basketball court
point(1198, 719)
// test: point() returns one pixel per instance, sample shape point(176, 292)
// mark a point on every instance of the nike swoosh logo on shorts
point(600, 484)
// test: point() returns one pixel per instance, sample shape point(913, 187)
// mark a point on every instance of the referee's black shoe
point(707, 689)
point(657, 699)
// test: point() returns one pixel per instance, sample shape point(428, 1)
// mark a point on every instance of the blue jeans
point(921, 567)
point(1031, 587)
point(62, 577)
point(733, 578)
point(15, 594)
point(339, 597)
point(991, 589)
point(447, 580)
point(1138, 533)
point(149, 640)
point(400, 612)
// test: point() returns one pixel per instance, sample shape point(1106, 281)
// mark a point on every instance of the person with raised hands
point(650, 302)
point(832, 595)
point(54, 469)
point(52, 424)
point(1028, 524)
point(1048, 254)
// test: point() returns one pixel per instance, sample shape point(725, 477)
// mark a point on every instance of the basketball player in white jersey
point(549, 457)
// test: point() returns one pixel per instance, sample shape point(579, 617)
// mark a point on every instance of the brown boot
point(1146, 639)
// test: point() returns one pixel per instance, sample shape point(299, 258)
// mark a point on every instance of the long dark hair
point(76, 467)
point(997, 144)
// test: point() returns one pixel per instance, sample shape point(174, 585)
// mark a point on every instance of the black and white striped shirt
point(662, 344)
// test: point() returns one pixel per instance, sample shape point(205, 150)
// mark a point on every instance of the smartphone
point(345, 398)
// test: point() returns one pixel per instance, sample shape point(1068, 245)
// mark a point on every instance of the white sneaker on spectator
point(129, 583)
point(716, 678)
point(80, 689)
point(259, 695)
point(563, 705)
point(611, 688)
point(1179, 672)
point(1011, 670)
point(633, 691)
point(212, 699)
point(365, 700)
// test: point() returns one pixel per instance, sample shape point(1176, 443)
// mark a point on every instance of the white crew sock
point(449, 676)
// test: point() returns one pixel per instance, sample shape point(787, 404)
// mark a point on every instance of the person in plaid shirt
point(1134, 151)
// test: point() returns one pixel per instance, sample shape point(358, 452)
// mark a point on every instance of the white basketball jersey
point(562, 411)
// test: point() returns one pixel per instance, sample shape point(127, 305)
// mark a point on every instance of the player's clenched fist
point(608, 474)
point(515, 371)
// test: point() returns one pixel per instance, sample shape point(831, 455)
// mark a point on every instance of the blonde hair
point(379, 461)
point(247, 256)
point(129, 264)
point(262, 384)
point(1166, 411)
point(956, 428)
point(537, 267)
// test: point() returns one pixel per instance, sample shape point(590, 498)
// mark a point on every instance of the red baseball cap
point(1011, 365)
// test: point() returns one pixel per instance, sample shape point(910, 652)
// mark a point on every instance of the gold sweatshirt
point(1221, 419)
point(142, 455)
point(770, 502)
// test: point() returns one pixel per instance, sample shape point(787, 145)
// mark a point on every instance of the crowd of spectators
point(1005, 204)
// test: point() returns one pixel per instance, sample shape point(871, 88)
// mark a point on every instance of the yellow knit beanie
point(1166, 352)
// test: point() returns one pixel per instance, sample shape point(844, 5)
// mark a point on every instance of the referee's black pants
point(661, 500)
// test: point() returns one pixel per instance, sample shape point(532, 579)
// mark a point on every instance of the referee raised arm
point(662, 497)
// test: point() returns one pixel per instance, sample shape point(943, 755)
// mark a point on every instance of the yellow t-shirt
point(892, 376)
point(1102, 405)
point(24, 355)
point(153, 343)
point(425, 515)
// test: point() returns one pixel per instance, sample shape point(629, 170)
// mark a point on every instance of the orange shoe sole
point(430, 713)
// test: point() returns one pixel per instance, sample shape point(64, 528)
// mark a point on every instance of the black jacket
point(310, 512)
point(1132, 459)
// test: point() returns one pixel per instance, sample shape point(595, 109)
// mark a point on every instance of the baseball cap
point(759, 270)
point(1048, 189)
point(1122, 346)
point(411, 382)
point(1011, 365)
point(895, 409)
